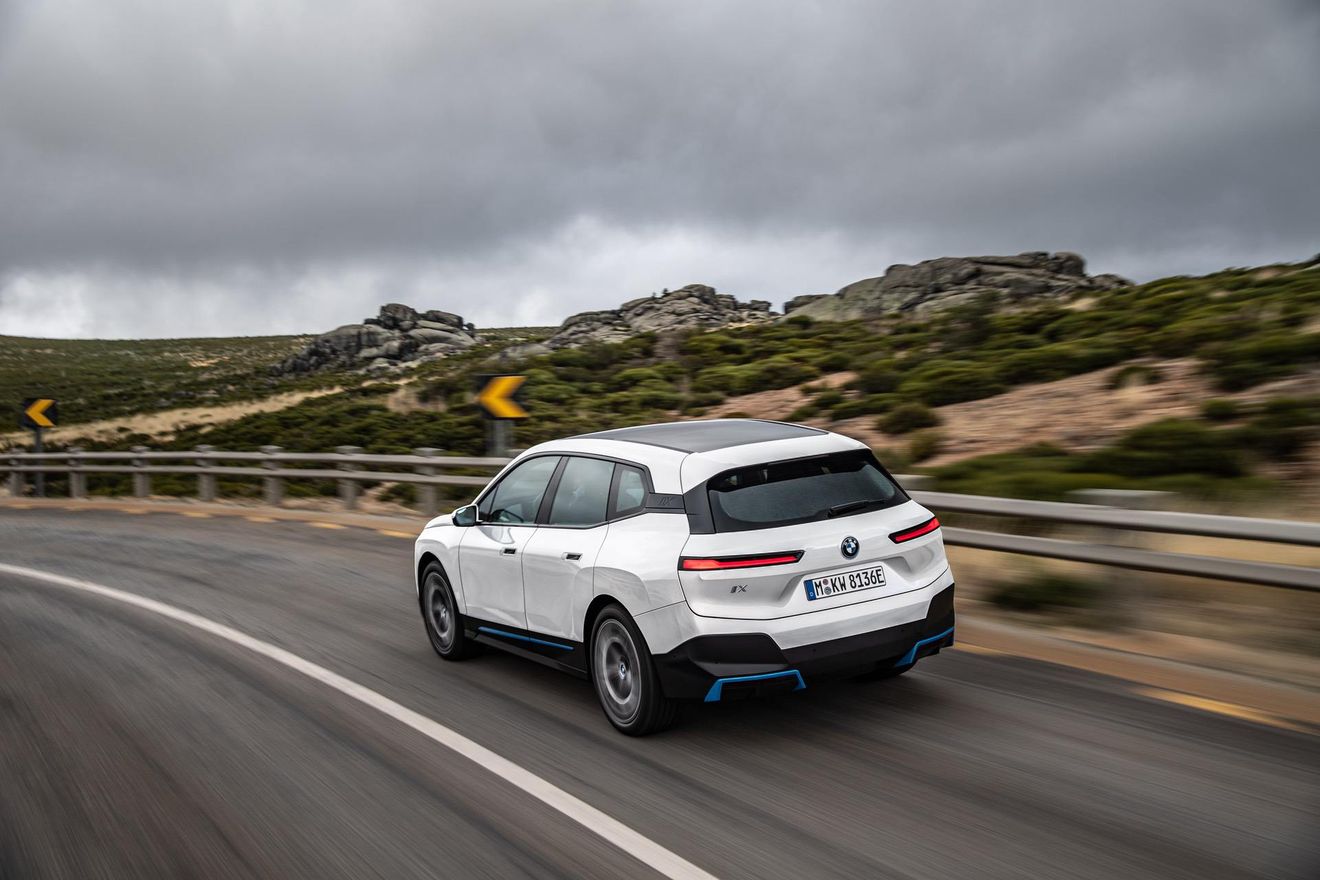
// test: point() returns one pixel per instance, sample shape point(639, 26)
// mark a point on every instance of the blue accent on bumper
point(911, 656)
point(717, 689)
point(490, 630)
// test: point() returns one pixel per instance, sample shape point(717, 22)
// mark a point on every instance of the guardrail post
point(205, 482)
point(1125, 593)
point(16, 482)
point(77, 479)
point(141, 481)
point(349, 488)
point(273, 486)
point(428, 494)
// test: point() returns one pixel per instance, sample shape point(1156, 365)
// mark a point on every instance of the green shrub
point(1168, 447)
point(925, 445)
point(1046, 592)
point(907, 417)
point(832, 361)
point(550, 392)
point(704, 398)
point(942, 383)
point(1220, 410)
point(828, 398)
point(637, 376)
point(878, 378)
point(1260, 358)
point(866, 406)
point(802, 413)
point(1134, 374)
point(1291, 412)
point(1282, 429)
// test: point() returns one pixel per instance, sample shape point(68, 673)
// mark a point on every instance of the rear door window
point(802, 490)
point(583, 493)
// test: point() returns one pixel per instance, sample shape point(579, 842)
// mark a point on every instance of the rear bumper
point(739, 665)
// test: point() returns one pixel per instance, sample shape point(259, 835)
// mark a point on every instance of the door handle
point(509, 551)
point(573, 556)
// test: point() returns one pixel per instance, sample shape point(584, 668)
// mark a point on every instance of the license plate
point(847, 582)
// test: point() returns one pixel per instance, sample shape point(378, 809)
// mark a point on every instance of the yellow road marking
point(389, 533)
point(1219, 707)
point(977, 649)
point(260, 519)
point(325, 525)
point(197, 514)
point(135, 511)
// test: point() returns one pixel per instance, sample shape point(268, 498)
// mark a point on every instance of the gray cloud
point(247, 167)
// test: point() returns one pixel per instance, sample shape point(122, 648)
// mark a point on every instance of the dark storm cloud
point(247, 166)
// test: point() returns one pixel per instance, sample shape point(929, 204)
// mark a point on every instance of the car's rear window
point(802, 490)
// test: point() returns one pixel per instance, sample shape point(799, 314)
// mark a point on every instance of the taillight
point(925, 528)
point(719, 563)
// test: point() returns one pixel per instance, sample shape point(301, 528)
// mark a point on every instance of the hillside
point(1205, 384)
point(98, 379)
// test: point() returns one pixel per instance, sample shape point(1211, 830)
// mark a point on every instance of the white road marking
point(642, 848)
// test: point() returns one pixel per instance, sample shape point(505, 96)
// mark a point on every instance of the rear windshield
point(805, 489)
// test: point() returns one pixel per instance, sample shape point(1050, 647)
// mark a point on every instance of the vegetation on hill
point(102, 378)
point(1197, 458)
point(1244, 326)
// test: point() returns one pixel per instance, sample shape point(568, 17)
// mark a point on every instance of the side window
point(584, 488)
point(630, 492)
point(517, 498)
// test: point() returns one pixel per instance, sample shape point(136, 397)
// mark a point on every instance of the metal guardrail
point(426, 469)
point(274, 467)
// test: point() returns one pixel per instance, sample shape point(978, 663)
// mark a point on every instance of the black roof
point(706, 436)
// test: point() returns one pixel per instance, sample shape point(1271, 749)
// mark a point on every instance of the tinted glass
point(765, 496)
point(518, 496)
point(583, 491)
point(631, 494)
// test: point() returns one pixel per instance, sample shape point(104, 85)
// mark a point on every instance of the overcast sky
point(177, 168)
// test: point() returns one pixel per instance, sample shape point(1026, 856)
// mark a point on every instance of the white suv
point(707, 560)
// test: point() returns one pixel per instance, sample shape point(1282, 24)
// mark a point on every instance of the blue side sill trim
point(911, 656)
point(490, 630)
point(717, 689)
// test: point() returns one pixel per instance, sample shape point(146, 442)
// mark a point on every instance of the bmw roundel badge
point(849, 547)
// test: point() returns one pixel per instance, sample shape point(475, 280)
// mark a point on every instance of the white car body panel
point(558, 589)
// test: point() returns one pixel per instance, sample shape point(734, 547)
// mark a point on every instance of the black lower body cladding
point(751, 664)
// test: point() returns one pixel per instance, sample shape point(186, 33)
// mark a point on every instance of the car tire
point(624, 676)
point(444, 624)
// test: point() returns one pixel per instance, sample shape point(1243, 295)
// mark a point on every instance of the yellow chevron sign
point(39, 412)
point(496, 397)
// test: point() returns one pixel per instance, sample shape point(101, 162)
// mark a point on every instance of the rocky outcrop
point(399, 334)
point(693, 306)
point(939, 284)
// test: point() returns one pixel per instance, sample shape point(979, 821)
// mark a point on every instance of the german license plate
point(847, 582)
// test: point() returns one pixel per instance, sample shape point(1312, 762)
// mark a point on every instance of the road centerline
point(594, 820)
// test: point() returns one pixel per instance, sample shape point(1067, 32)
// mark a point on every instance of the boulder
point(392, 315)
point(396, 335)
point(447, 319)
point(695, 305)
point(426, 336)
point(798, 302)
point(935, 285)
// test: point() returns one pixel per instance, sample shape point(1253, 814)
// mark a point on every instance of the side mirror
point(466, 515)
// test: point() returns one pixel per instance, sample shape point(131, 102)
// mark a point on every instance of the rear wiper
point(848, 507)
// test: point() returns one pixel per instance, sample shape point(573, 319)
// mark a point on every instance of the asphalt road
point(134, 746)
